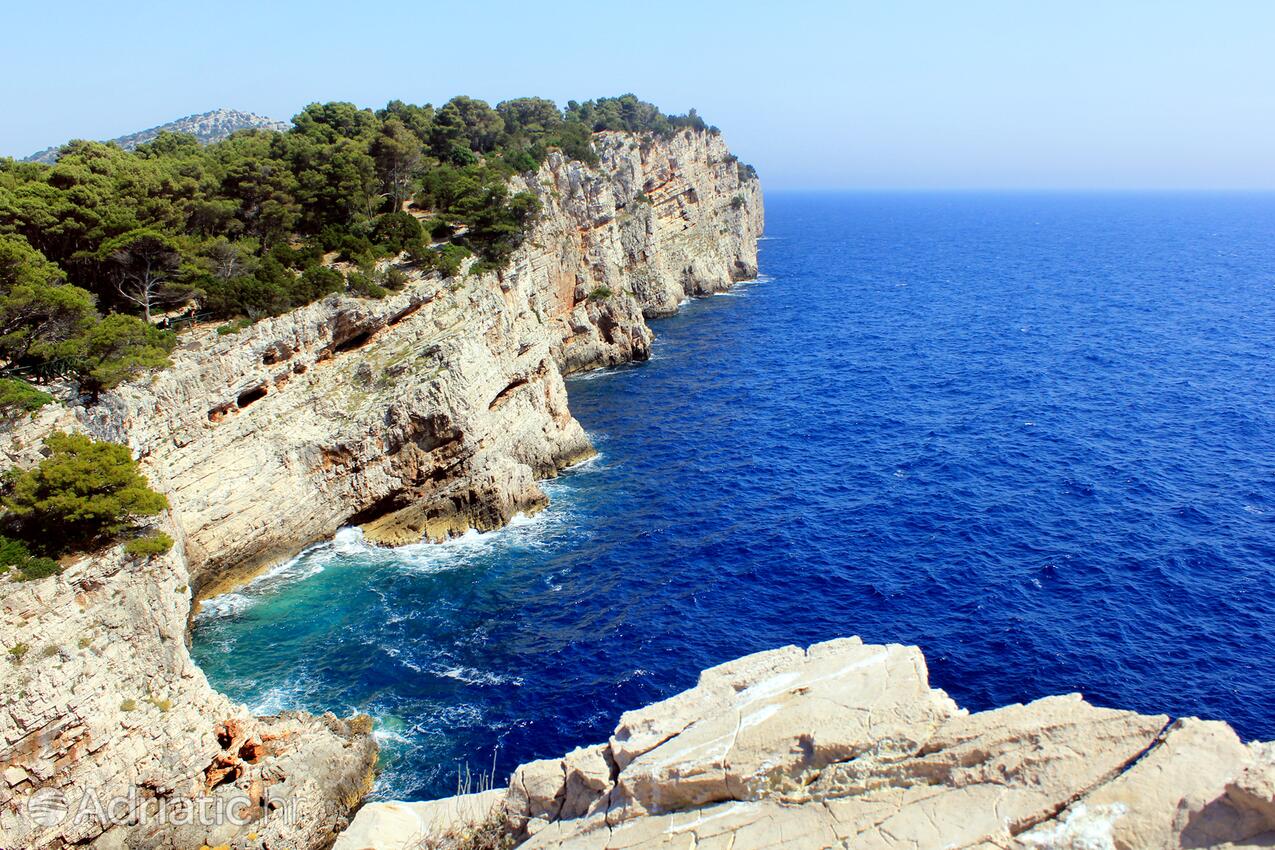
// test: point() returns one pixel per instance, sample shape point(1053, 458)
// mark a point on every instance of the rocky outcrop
point(206, 127)
point(846, 745)
point(420, 415)
point(111, 733)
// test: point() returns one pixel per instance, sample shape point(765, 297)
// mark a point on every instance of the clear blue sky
point(970, 94)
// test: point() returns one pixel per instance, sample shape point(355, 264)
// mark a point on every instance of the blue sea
point(1032, 434)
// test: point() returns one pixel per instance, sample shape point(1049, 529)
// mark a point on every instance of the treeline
point(100, 247)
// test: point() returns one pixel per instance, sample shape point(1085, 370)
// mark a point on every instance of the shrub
point(129, 704)
point(150, 545)
point(18, 651)
point(234, 327)
point(445, 260)
point(14, 553)
point(314, 283)
point(356, 249)
point(360, 283)
point(439, 229)
point(396, 231)
point(309, 254)
point(82, 490)
point(600, 293)
point(394, 278)
point(18, 397)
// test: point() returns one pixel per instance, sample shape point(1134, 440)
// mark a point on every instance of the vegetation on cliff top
point(97, 248)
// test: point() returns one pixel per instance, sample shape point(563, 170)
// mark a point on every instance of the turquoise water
point(1034, 435)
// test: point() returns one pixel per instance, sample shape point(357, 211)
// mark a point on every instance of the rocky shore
point(846, 745)
point(420, 415)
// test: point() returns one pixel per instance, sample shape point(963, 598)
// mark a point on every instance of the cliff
point(422, 414)
point(846, 745)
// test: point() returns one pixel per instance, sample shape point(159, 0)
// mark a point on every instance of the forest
point(104, 253)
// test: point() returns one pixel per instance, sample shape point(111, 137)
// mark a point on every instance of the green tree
point(39, 313)
point(483, 126)
point(84, 489)
point(148, 264)
point(118, 348)
point(531, 118)
point(397, 152)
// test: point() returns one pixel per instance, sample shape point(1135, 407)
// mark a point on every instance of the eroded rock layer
point(846, 745)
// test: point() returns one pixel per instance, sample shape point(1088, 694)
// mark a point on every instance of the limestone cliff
point(435, 409)
point(846, 745)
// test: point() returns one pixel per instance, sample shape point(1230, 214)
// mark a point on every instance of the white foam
point(310, 562)
point(225, 605)
point(278, 699)
point(470, 676)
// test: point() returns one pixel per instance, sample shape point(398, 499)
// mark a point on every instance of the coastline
point(442, 401)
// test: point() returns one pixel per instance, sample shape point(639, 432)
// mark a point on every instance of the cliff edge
point(846, 745)
point(418, 416)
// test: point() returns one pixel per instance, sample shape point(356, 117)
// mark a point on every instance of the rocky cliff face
point(106, 720)
point(420, 415)
point(846, 745)
point(438, 408)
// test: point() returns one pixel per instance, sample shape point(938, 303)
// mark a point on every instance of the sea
point(1031, 433)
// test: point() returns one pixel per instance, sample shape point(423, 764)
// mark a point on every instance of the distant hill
point(207, 127)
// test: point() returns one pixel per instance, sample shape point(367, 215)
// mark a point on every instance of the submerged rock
point(845, 744)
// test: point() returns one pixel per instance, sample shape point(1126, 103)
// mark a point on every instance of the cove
point(1033, 434)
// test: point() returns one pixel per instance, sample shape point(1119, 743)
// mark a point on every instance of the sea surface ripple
point(1033, 434)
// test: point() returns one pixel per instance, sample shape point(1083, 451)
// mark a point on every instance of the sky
point(895, 94)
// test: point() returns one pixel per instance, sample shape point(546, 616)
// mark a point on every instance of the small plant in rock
point(19, 651)
point(129, 704)
point(493, 833)
point(150, 545)
point(14, 553)
point(161, 704)
point(234, 327)
point(18, 397)
point(600, 293)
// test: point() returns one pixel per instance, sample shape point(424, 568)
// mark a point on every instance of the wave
point(225, 605)
point(470, 676)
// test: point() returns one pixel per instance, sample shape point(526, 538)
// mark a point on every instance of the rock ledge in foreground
point(845, 744)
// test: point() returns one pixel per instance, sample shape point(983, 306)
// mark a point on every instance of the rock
point(438, 408)
point(124, 711)
point(846, 745)
point(394, 826)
